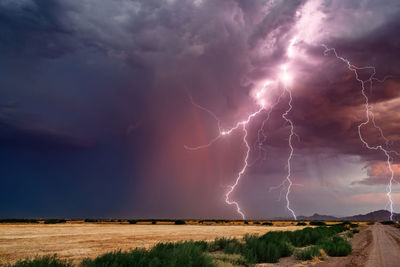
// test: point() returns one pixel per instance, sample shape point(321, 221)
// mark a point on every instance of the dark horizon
point(300, 218)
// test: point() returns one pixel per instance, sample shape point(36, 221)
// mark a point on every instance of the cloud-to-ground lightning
point(289, 160)
point(242, 124)
point(285, 79)
point(370, 118)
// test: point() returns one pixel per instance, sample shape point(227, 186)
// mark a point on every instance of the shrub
point(256, 222)
point(355, 231)
point(268, 223)
point(228, 245)
point(180, 222)
point(202, 245)
point(246, 222)
point(132, 221)
point(335, 247)
point(54, 221)
point(266, 249)
point(46, 261)
point(229, 260)
point(317, 223)
point(350, 235)
point(153, 222)
point(307, 254)
point(91, 220)
point(388, 222)
point(163, 254)
point(301, 223)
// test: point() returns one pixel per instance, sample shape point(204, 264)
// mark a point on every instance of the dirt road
point(375, 246)
point(77, 241)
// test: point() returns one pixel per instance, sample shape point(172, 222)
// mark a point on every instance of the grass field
point(77, 240)
point(306, 244)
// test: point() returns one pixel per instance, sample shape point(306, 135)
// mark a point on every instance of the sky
point(99, 101)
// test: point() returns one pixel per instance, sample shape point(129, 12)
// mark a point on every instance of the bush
point(163, 254)
point(335, 247)
point(350, 235)
point(388, 222)
point(180, 222)
point(229, 260)
point(132, 221)
point(301, 223)
point(318, 223)
point(46, 261)
point(153, 222)
point(355, 231)
point(54, 221)
point(268, 223)
point(265, 249)
point(246, 222)
point(228, 245)
point(91, 220)
point(307, 254)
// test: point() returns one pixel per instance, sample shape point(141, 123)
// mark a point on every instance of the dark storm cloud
point(120, 72)
point(25, 131)
point(33, 29)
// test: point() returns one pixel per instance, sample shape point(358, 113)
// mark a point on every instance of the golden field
point(77, 240)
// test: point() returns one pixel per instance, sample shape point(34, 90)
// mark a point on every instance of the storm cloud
point(99, 93)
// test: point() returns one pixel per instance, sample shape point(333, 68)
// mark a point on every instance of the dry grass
point(77, 240)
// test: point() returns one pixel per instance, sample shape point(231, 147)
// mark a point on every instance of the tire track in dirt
point(374, 246)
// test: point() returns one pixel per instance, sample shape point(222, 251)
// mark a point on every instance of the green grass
point(46, 261)
point(162, 255)
point(227, 245)
point(265, 249)
point(335, 247)
point(228, 260)
point(307, 253)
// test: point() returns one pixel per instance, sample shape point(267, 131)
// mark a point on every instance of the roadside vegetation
point(305, 244)
point(388, 223)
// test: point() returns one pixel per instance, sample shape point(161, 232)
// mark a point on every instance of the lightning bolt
point(240, 125)
point(261, 136)
point(289, 160)
point(369, 117)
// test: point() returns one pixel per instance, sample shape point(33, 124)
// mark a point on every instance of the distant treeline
point(19, 221)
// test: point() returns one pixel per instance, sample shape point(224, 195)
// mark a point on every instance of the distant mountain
point(318, 217)
point(379, 215)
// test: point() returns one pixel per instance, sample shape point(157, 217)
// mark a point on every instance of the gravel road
point(375, 246)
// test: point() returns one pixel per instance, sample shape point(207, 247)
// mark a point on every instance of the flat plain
point(75, 241)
